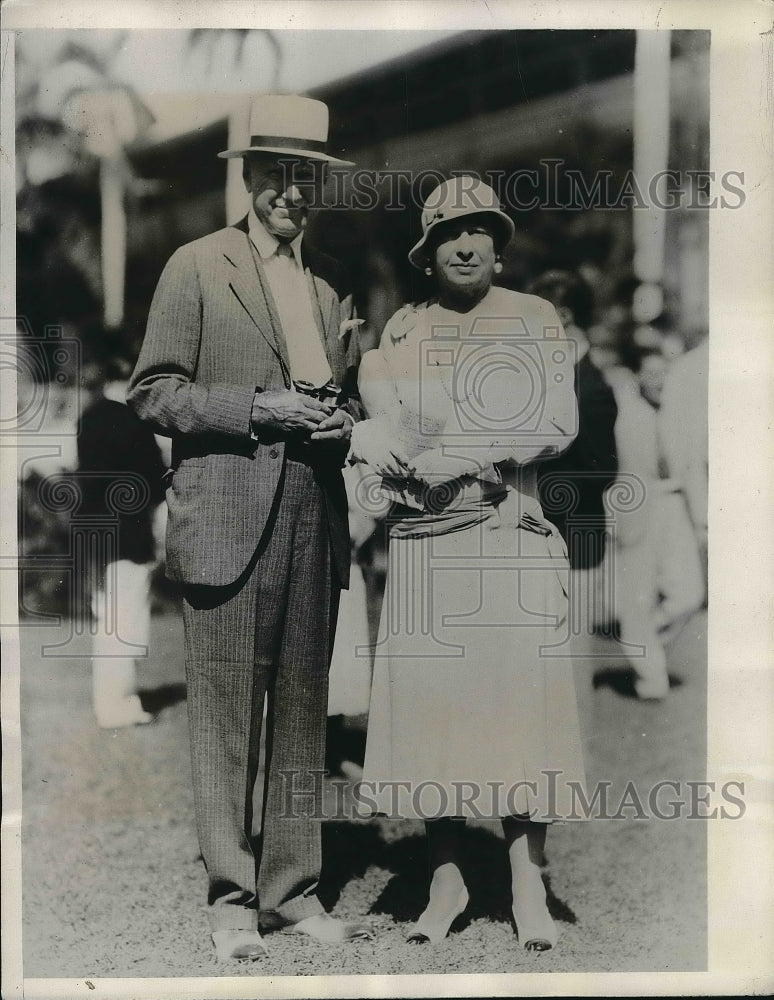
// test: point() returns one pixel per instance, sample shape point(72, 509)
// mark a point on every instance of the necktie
point(308, 360)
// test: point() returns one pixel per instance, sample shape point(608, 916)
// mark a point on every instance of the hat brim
point(306, 154)
point(417, 255)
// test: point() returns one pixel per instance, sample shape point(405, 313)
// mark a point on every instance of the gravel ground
point(114, 885)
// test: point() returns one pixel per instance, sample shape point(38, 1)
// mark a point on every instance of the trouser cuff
point(299, 908)
point(232, 918)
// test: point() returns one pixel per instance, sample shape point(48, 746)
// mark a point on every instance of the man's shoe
point(238, 946)
point(323, 927)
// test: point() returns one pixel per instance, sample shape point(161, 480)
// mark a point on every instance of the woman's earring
point(498, 266)
point(428, 271)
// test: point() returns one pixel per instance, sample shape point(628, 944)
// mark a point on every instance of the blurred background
point(117, 136)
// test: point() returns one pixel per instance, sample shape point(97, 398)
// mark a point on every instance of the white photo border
point(741, 689)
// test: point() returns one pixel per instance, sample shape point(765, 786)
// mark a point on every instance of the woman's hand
point(374, 442)
point(435, 466)
point(520, 510)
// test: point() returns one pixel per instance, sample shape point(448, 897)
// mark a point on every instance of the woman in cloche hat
point(470, 715)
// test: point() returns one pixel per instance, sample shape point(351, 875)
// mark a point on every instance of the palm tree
point(209, 38)
point(71, 113)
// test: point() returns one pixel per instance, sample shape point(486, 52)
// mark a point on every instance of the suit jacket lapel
point(323, 304)
point(248, 282)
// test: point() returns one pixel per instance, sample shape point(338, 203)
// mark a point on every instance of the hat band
point(283, 142)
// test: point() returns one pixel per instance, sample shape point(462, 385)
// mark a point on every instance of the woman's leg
point(448, 895)
point(526, 841)
point(444, 850)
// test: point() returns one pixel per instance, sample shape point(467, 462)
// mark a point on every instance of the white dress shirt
point(288, 283)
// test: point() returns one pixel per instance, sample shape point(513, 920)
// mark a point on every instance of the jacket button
point(273, 453)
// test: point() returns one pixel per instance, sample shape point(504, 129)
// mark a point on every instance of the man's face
point(281, 189)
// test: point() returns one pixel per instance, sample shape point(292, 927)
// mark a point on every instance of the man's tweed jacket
point(213, 338)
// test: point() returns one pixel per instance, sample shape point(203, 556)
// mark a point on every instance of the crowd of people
point(290, 448)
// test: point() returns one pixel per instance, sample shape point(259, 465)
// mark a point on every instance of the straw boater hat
point(455, 198)
point(289, 124)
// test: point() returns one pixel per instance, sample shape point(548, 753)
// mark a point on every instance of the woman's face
point(465, 257)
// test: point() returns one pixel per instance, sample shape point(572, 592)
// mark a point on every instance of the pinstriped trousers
point(269, 633)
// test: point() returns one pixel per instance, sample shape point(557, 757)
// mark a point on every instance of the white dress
point(471, 713)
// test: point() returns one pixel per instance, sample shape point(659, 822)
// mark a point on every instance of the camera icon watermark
point(42, 364)
point(508, 385)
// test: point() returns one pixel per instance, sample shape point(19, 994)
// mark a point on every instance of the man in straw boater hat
point(249, 365)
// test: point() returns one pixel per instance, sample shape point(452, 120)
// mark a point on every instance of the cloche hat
point(289, 124)
point(453, 199)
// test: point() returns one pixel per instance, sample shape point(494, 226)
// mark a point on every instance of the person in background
point(572, 485)
point(349, 682)
point(684, 441)
point(118, 453)
point(679, 576)
point(634, 559)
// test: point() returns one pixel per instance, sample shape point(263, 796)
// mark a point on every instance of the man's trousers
point(268, 634)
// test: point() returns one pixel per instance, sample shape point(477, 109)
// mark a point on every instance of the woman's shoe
point(432, 928)
point(535, 930)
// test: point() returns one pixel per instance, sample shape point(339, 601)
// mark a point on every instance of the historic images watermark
point(555, 800)
point(552, 184)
